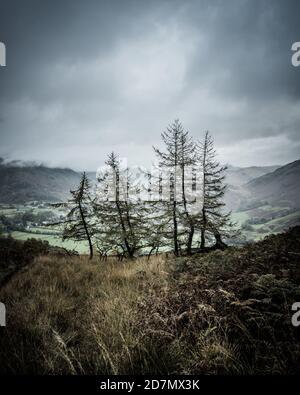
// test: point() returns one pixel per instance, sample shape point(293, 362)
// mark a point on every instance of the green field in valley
point(255, 224)
point(39, 230)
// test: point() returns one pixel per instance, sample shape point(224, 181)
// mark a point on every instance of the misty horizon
point(33, 163)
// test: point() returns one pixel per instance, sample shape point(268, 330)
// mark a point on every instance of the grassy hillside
point(237, 176)
point(281, 186)
point(222, 312)
point(266, 219)
point(267, 204)
point(28, 221)
point(21, 184)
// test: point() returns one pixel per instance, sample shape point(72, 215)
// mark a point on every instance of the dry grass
point(229, 312)
point(223, 312)
point(71, 315)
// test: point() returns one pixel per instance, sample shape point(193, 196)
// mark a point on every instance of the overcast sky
point(84, 78)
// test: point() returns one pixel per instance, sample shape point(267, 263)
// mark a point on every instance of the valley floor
point(255, 223)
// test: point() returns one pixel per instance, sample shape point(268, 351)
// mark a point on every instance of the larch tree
point(121, 214)
point(79, 222)
point(213, 219)
point(178, 159)
point(169, 160)
point(187, 161)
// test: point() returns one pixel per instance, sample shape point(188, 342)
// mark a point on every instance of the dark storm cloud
point(86, 77)
point(251, 41)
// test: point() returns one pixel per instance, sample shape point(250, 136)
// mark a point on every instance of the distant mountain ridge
point(20, 184)
point(282, 186)
point(237, 176)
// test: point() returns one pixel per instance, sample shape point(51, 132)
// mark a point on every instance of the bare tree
point(187, 159)
point(178, 158)
point(213, 218)
point(122, 219)
point(78, 224)
point(170, 160)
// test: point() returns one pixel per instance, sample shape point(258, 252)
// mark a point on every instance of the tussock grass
point(71, 315)
point(223, 312)
point(229, 312)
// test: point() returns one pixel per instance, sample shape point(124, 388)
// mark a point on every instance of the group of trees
point(180, 210)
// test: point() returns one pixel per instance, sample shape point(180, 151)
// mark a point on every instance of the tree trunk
point(219, 243)
point(190, 240)
point(150, 252)
point(86, 231)
point(192, 230)
point(130, 253)
point(175, 234)
point(202, 245)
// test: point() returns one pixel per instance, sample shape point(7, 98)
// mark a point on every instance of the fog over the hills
point(87, 77)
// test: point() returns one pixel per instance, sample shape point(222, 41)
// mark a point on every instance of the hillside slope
point(231, 311)
point(237, 176)
point(21, 184)
point(281, 186)
point(224, 312)
point(237, 194)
